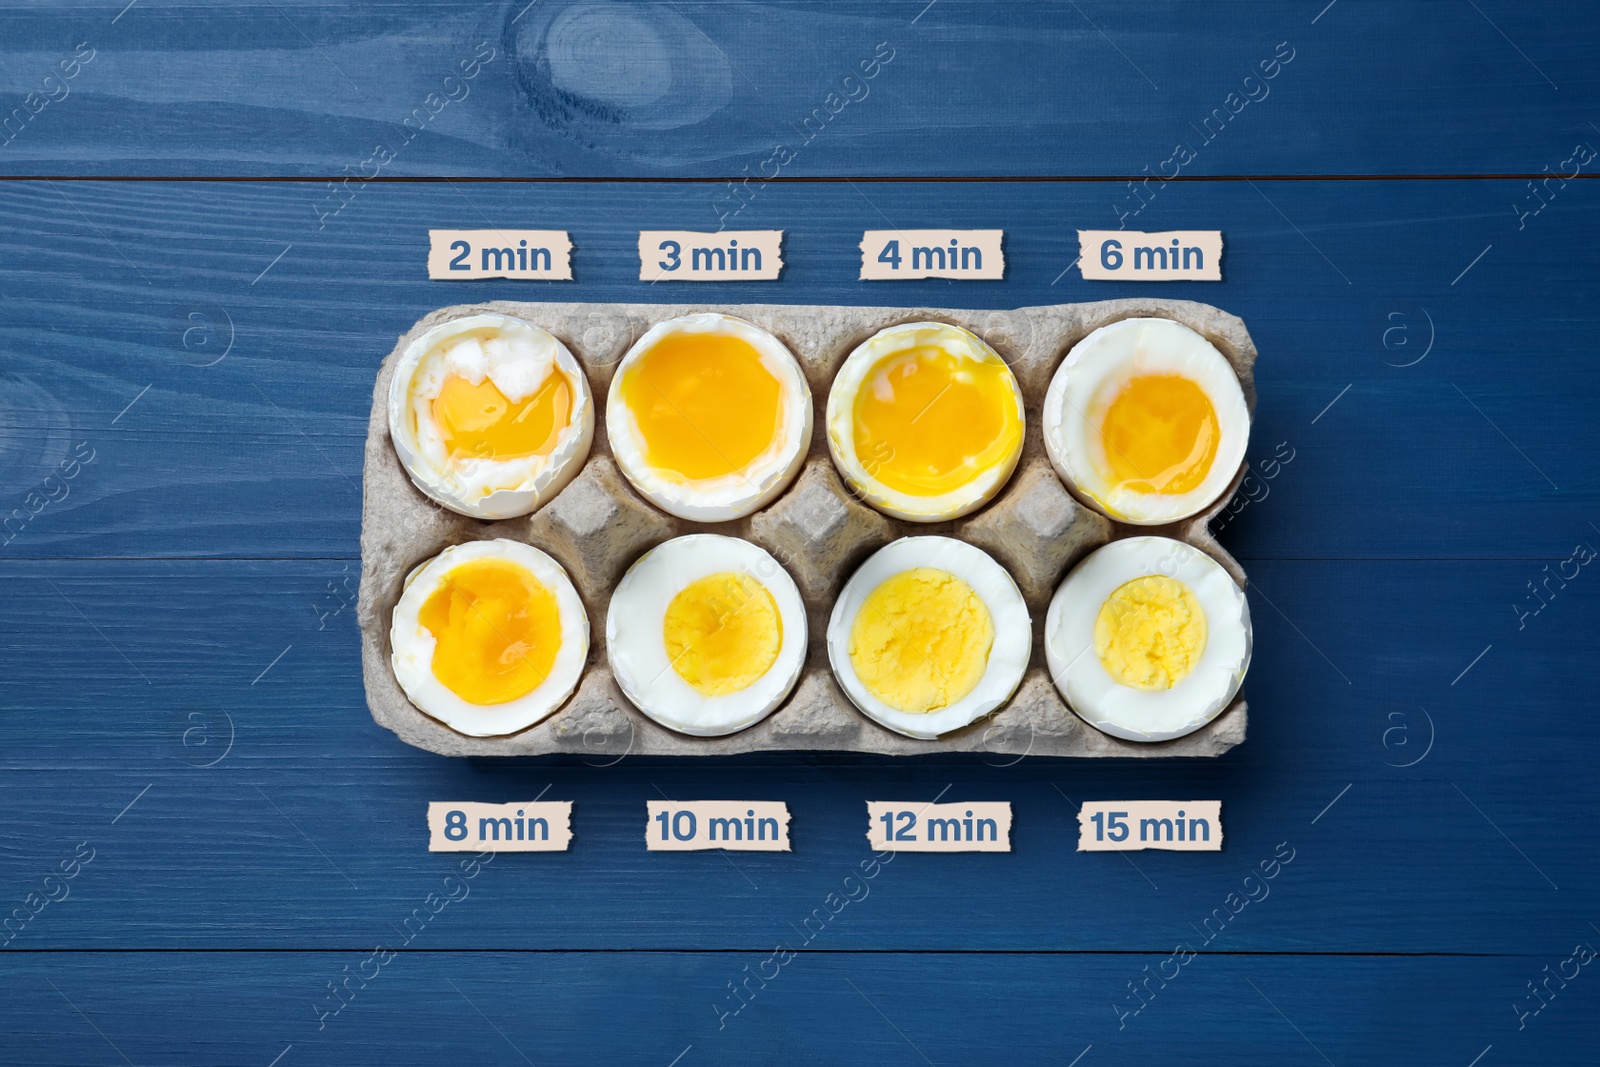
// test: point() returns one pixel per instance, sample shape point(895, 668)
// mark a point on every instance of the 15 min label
point(1134, 825)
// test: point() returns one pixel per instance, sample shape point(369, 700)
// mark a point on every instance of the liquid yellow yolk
point(478, 420)
point(921, 640)
point(704, 404)
point(1150, 633)
point(928, 421)
point(1160, 435)
point(497, 629)
point(722, 633)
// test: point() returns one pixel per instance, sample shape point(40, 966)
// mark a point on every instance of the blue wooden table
point(212, 228)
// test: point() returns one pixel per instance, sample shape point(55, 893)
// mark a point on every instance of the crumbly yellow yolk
point(722, 633)
point(1150, 632)
point(497, 629)
point(921, 640)
point(1160, 435)
point(928, 421)
point(479, 421)
point(705, 405)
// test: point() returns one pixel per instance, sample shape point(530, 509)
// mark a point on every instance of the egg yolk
point(1160, 435)
point(497, 630)
point(479, 421)
point(722, 633)
point(921, 640)
point(1150, 633)
point(705, 405)
point(928, 421)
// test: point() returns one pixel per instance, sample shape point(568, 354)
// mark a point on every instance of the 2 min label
point(691, 825)
point(1171, 256)
point(906, 255)
point(914, 826)
point(528, 255)
point(1135, 825)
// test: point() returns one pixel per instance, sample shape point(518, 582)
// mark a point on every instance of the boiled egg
point(1147, 421)
point(706, 634)
point(925, 421)
point(489, 637)
point(490, 415)
point(709, 417)
point(1148, 638)
point(929, 635)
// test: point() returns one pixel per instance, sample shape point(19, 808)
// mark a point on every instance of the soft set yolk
point(722, 633)
point(705, 405)
point(921, 640)
point(479, 421)
point(1160, 435)
point(497, 629)
point(1150, 633)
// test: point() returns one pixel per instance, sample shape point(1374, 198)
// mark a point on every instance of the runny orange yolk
point(928, 421)
point(705, 405)
point(479, 421)
point(497, 629)
point(1160, 435)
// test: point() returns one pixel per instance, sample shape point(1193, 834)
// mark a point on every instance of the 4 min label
point(1135, 825)
point(905, 255)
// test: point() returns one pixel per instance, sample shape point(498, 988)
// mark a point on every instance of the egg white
point(1137, 714)
point(483, 487)
point(1008, 657)
point(841, 423)
point(636, 643)
point(741, 492)
point(413, 644)
point(1086, 384)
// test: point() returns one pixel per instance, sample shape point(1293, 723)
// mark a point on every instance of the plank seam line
point(821, 179)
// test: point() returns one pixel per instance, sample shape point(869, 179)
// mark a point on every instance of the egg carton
point(598, 525)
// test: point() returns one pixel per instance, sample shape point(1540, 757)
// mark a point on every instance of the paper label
point(905, 255)
point(1170, 256)
point(527, 255)
point(725, 256)
point(915, 826)
point(520, 826)
point(1135, 825)
point(742, 825)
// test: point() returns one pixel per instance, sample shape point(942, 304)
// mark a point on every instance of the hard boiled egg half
point(706, 634)
point(491, 416)
point(1148, 638)
point(925, 421)
point(929, 635)
point(489, 637)
point(709, 417)
point(1146, 420)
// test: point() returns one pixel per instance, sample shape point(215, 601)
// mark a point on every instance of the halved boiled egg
point(925, 421)
point(489, 637)
point(1146, 420)
point(929, 635)
point(1148, 638)
point(706, 634)
point(709, 417)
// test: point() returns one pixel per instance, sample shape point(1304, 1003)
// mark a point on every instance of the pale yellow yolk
point(1160, 435)
point(921, 640)
point(705, 405)
point(497, 629)
point(478, 420)
point(1150, 633)
point(722, 633)
point(928, 421)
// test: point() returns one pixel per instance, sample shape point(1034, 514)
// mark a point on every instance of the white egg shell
point(413, 644)
point(840, 419)
point(737, 494)
point(480, 487)
point(1008, 657)
point(636, 645)
point(1135, 714)
point(1089, 379)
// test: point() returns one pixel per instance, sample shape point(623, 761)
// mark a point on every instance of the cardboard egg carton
point(598, 525)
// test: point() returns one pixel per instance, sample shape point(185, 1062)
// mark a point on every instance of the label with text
point(905, 255)
point(520, 826)
point(725, 256)
point(915, 826)
point(741, 825)
point(1171, 256)
point(526, 255)
point(1135, 825)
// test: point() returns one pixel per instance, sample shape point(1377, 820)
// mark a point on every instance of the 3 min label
point(906, 255)
point(725, 256)
point(1129, 256)
point(1135, 825)
point(914, 826)
point(691, 825)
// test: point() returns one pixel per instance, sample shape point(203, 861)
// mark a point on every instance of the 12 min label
point(1134, 825)
point(920, 827)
